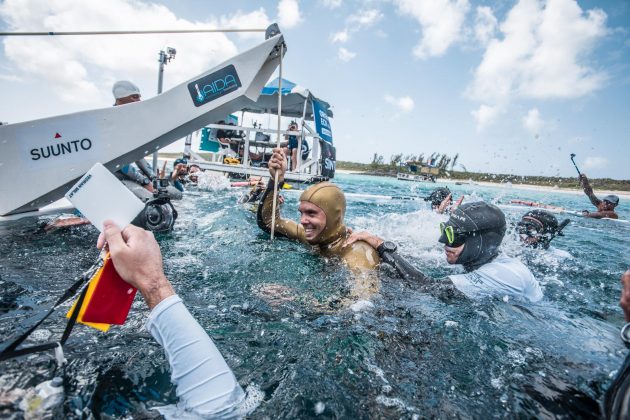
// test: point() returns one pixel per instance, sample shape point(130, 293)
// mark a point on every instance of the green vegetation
point(378, 167)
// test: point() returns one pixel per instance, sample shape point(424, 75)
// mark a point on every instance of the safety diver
point(537, 228)
point(441, 200)
point(471, 237)
point(322, 208)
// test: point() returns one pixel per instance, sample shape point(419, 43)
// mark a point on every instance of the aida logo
point(60, 148)
point(214, 85)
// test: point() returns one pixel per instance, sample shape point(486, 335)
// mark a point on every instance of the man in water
point(471, 237)
point(605, 206)
point(537, 228)
point(210, 389)
point(322, 208)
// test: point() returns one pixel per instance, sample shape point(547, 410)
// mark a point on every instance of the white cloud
point(441, 22)
point(594, 162)
point(533, 122)
point(288, 14)
point(485, 115)
point(365, 18)
point(253, 20)
point(404, 103)
point(485, 25)
point(82, 68)
point(541, 53)
point(345, 55)
point(332, 4)
point(341, 37)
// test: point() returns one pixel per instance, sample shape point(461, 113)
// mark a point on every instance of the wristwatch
point(386, 246)
point(625, 334)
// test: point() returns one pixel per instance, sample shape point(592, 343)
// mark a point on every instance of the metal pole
point(156, 31)
point(275, 184)
point(162, 61)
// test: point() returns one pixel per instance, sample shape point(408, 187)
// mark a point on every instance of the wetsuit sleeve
point(588, 190)
point(442, 287)
point(130, 172)
point(205, 383)
point(287, 228)
point(145, 168)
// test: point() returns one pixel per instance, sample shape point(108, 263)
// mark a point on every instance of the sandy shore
point(526, 187)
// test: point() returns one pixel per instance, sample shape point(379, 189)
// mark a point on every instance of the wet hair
point(437, 196)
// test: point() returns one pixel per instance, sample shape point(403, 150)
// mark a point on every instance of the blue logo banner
point(214, 85)
point(322, 123)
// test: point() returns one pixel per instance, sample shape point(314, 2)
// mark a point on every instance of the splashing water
point(404, 353)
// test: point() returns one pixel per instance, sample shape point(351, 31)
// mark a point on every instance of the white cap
point(124, 88)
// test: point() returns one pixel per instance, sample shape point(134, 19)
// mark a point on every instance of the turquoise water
point(409, 354)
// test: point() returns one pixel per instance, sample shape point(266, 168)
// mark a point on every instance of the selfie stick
point(576, 168)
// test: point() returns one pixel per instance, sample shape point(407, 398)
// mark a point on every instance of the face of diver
point(128, 99)
point(312, 218)
point(452, 254)
point(605, 206)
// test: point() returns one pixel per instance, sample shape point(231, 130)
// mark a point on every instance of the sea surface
point(405, 354)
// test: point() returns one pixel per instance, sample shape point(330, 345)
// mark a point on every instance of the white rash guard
point(205, 384)
point(500, 277)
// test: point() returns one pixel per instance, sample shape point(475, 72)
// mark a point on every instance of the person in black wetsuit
point(471, 237)
point(537, 228)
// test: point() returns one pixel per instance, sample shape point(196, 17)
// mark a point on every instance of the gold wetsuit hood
point(332, 201)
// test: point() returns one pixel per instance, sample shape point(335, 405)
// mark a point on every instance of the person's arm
point(624, 302)
point(205, 383)
point(283, 227)
point(588, 190)
point(610, 214)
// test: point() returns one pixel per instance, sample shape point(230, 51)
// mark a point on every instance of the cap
point(611, 199)
point(180, 160)
point(124, 88)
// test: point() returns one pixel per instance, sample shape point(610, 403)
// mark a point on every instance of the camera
point(159, 214)
point(171, 51)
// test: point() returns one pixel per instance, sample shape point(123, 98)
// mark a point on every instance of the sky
point(512, 86)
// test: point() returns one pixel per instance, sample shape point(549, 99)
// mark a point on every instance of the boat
point(422, 177)
point(51, 154)
point(312, 116)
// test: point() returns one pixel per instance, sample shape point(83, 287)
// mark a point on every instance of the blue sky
point(512, 86)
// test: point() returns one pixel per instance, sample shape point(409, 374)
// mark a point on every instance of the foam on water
point(403, 352)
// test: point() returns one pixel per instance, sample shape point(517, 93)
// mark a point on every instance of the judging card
point(99, 195)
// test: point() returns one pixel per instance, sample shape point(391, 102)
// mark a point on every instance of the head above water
point(538, 227)
point(437, 196)
point(125, 92)
point(611, 201)
point(479, 228)
point(323, 198)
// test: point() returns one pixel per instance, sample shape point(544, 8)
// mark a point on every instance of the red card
point(112, 298)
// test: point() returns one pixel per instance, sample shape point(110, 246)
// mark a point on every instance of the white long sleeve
point(205, 384)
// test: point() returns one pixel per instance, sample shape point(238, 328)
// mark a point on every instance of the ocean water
point(407, 355)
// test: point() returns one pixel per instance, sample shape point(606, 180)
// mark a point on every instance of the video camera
point(159, 214)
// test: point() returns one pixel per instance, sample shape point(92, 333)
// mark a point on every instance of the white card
point(100, 196)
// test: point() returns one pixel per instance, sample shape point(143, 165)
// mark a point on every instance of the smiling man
point(322, 209)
